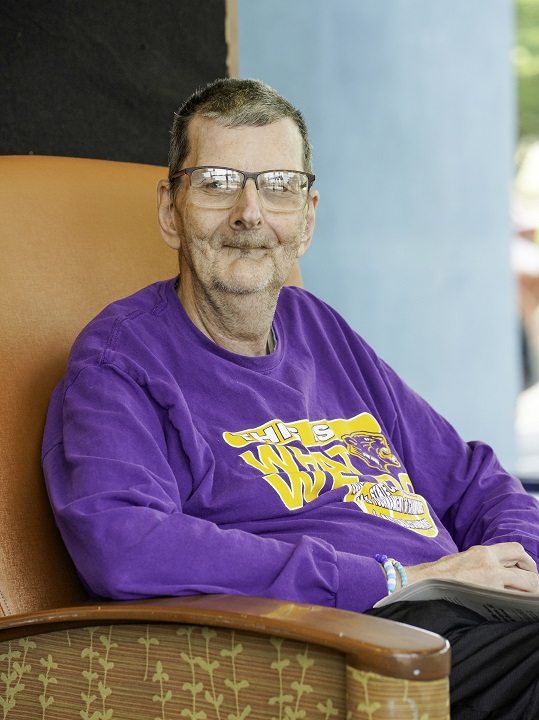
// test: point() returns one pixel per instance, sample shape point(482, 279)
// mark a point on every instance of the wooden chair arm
point(382, 646)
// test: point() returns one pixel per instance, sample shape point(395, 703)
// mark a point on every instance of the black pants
point(495, 665)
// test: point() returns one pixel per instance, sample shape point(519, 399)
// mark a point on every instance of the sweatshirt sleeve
point(478, 501)
point(118, 505)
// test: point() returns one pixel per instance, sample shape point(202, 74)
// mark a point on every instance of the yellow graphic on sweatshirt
point(301, 459)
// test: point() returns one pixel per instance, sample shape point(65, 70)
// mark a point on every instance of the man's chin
point(243, 286)
point(246, 278)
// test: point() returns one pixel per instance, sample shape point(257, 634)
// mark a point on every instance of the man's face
point(246, 248)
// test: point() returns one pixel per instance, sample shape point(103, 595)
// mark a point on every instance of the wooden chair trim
point(370, 643)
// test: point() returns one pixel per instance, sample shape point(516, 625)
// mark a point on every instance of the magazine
point(499, 605)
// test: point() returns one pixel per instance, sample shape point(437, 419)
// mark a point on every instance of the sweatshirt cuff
point(362, 582)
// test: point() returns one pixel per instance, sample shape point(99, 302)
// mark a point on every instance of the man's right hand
point(505, 565)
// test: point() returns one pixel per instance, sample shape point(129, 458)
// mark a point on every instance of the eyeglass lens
point(278, 190)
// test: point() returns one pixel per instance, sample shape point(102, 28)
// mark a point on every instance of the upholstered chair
point(76, 234)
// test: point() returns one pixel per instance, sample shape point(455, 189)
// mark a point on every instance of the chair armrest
point(370, 643)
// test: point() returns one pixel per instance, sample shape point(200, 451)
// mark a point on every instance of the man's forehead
point(212, 142)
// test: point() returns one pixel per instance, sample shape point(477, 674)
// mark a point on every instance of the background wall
point(102, 79)
point(410, 104)
point(411, 110)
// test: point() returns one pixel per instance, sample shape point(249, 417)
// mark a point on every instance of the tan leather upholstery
point(75, 235)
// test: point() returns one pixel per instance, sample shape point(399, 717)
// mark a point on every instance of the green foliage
point(526, 63)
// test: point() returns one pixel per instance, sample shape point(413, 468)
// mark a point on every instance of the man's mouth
point(246, 248)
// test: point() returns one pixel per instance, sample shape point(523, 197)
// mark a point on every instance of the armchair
point(75, 235)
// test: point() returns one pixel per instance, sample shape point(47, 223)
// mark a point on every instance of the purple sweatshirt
point(175, 467)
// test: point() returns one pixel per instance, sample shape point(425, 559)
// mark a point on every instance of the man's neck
point(241, 324)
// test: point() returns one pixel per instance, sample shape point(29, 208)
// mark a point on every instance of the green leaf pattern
point(46, 680)
point(147, 641)
point(163, 698)
point(234, 684)
point(211, 697)
point(12, 677)
point(194, 687)
point(289, 702)
point(97, 662)
point(367, 708)
point(199, 673)
point(327, 709)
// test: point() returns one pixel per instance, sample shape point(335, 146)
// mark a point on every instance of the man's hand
point(506, 565)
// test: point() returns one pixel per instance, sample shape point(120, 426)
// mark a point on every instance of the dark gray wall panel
point(102, 79)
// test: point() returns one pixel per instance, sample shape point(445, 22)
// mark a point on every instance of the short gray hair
point(233, 102)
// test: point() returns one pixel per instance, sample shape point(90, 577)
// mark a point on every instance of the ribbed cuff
point(361, 582)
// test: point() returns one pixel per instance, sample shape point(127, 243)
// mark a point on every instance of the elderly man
point(219, 432)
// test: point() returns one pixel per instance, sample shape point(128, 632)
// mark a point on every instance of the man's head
point(237, 239)
point(233, 102)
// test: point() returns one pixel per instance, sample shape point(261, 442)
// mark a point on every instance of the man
point(221, 433)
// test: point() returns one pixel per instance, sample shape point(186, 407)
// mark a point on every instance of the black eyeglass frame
point(246, 175)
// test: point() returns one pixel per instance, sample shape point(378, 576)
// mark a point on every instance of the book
point(499, 605)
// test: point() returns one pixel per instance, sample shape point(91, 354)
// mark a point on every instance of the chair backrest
point(75, 234)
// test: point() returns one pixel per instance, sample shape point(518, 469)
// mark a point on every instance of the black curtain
point(102, 78)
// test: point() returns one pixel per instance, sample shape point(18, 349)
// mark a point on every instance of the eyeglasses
point(220, 188)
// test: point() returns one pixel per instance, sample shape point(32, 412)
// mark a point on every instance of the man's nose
point(247, 212)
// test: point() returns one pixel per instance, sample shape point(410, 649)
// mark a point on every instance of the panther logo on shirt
point(372, 448)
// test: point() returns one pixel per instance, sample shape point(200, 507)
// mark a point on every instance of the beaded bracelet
point(390, 572)
point(390, 566)
point(402, 572)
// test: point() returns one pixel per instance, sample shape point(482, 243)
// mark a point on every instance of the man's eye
point(278, 185)
point(218, 185)
point(284, 188)
point(283, 185)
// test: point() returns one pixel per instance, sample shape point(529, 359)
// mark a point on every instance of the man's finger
point(517, 579)
point(511, 554)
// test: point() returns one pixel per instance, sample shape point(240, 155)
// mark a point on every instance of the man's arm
point(491, 518)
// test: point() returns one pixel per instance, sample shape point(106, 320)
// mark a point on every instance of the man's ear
point(165, 213)
point(310, 219)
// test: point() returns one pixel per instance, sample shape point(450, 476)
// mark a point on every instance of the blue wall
point(410, 104)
